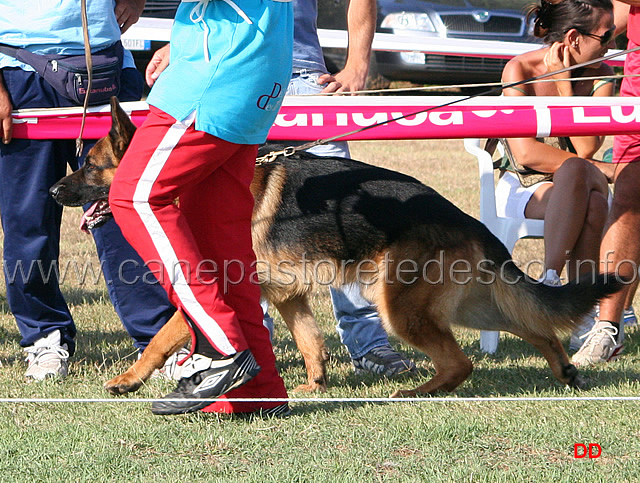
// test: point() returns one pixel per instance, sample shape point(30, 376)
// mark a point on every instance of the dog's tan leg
point(174, 335)
point(554, 353)
point(451, 364)
point(309, 339)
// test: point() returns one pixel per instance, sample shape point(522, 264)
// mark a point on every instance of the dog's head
point(90, 184)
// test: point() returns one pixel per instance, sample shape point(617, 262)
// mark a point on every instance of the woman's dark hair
point(555, 18)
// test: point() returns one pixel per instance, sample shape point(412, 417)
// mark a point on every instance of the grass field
point(322, 441)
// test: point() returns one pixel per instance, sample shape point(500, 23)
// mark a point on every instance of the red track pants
point(200, 249)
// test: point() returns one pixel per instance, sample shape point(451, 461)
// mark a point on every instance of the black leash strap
point(293, 149)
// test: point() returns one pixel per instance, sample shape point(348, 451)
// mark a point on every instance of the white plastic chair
point(507, 230)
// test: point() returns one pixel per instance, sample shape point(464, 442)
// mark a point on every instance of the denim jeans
point(358, 323)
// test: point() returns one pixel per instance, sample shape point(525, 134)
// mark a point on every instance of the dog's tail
point(539, 308)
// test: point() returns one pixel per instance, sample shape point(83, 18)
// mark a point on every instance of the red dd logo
point(593, 450)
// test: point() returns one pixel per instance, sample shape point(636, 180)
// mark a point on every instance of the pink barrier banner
point(314, 117)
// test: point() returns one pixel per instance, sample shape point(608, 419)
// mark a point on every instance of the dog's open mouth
point(97, 215)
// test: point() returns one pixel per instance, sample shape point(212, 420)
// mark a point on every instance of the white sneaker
point(600, 345)
point(47, 358)
point(173, 372)
point(578, 335)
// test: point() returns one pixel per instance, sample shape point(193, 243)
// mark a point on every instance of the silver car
point(423, 21)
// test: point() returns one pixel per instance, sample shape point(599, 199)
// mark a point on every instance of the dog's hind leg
point(451, 364)
point(554, 353)
point(309, 339)
point(173, 335)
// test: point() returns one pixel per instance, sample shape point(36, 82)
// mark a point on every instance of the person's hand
point(157, 64)
point(128, 12)
point(346, 80)
point(557, 58)
point(332, 84)
point(6, 121)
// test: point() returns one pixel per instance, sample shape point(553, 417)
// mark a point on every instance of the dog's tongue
point(86, 215)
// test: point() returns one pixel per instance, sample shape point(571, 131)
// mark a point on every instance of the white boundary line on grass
point(330, 400)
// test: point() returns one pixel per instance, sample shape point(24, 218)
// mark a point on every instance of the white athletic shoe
point(578, 336)
point(602, 344)
point(47, 358)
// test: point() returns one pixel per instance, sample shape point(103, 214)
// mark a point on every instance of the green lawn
point(322, 441)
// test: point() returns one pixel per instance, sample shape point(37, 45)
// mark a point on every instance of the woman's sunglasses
point(604, 38)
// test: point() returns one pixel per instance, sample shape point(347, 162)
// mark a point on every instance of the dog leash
point(290, 150)
point(87, 54)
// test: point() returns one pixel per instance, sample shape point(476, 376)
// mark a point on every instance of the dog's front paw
point(313, 387)
point(576, 380)
point(123, 384)
point(404, 393)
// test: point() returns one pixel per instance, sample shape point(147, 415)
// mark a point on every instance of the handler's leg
point(619, 254)
point(166, 159)
point(31, 224)
point(620, 242)
point(224, 230)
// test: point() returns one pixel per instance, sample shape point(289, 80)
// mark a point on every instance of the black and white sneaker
point(196, 391)
point(281, 411)
point(384, 360)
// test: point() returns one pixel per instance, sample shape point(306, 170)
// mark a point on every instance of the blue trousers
point(358, 323)
point(31, 223)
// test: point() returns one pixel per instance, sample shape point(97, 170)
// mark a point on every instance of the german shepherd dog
point(424, 263)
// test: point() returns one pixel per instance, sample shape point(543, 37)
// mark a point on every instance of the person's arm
point(587, 146)
point(128, 12)
point(529, 151)
point(558, 58)
point(6, 122)
point(361, 26)
point(620, 16)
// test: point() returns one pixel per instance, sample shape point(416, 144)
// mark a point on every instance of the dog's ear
point(122, 129)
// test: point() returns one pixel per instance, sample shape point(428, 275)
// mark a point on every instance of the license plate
point(136, 44)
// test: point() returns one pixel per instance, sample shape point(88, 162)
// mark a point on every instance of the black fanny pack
point(68, 74)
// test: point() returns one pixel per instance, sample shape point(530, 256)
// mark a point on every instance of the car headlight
point(408, 21)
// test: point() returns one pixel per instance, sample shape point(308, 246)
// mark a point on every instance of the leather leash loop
point(87, 54)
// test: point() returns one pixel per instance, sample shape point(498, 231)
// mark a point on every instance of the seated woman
point(573, 199)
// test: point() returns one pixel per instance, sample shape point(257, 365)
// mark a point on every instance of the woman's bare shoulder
point(523, 66)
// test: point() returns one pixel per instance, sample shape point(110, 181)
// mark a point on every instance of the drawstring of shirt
point(197, 16)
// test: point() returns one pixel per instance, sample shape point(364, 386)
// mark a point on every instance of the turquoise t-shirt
point(231, 72)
